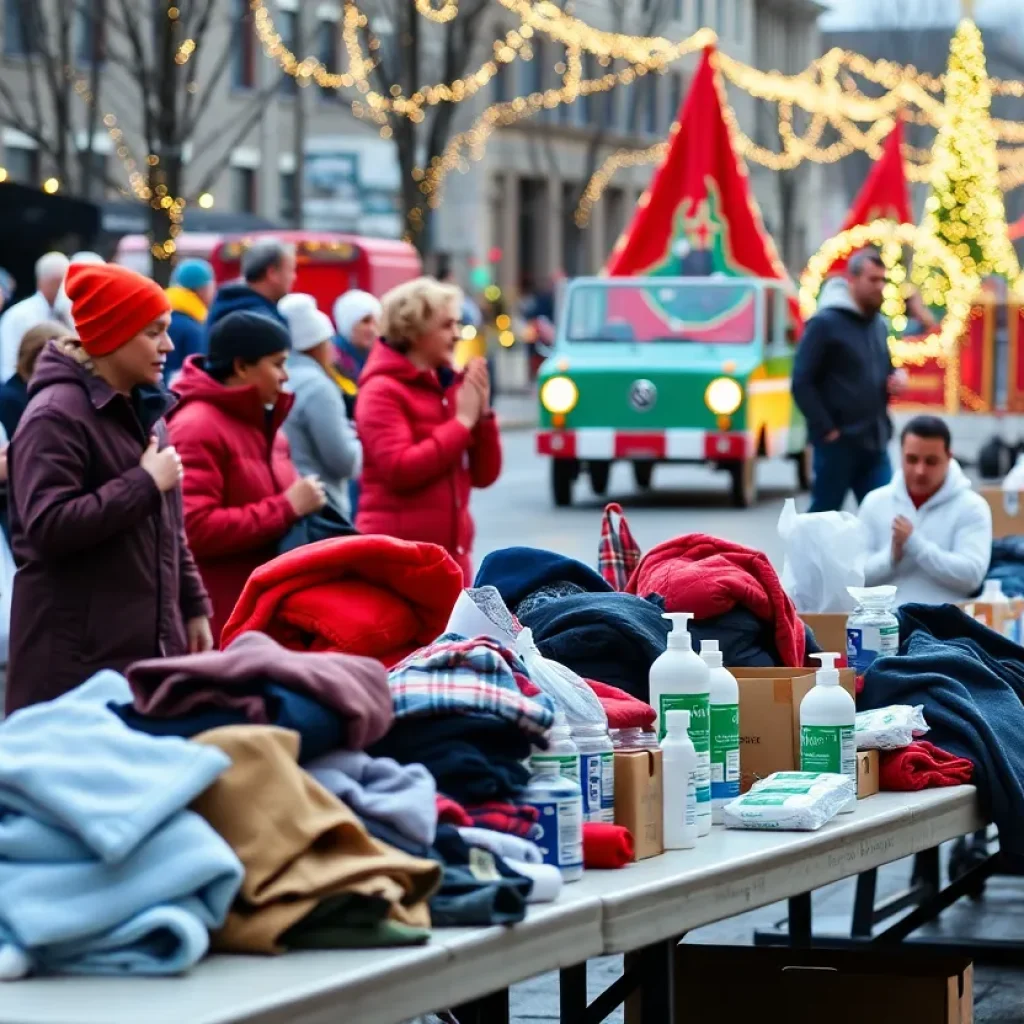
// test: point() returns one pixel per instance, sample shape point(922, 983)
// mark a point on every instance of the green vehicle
point(683, 370)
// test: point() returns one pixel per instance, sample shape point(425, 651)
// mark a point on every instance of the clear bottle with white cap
point(724, 696)
point(828, 717)
point(680, 681)
point(679, 768)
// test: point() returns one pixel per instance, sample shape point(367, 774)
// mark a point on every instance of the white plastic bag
point(890, 728)
point(825, 552)
point(569, 692)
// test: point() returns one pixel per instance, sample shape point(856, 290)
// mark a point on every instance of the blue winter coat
point(239, 296)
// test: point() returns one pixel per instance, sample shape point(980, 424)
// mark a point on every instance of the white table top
point(606, 912)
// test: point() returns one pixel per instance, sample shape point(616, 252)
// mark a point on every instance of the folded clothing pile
point(375, 596)
point(1007, 565)
point(970, 682)
point(462, 711)
point(333, 701)
point(711, 577)
point(103, 869)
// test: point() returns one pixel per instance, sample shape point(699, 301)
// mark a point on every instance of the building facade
point(262, 145)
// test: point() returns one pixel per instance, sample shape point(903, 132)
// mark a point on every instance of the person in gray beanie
point(241, 491)
point(268, 272)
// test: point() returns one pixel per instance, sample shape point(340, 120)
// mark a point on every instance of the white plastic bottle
point(828, 717)
point(725, 731)
point(562, 755)
point(679, 765)
point(992, 593)
point(680, 681)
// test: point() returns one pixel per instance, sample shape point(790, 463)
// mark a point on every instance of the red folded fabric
point(606, 846)
point(514, 819)
point(449, 812)
point(624, 711)
point(709, 577)
point(376, 596)
point(922, 765)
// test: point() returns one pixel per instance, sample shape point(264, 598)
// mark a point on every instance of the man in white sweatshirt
point(930, 534)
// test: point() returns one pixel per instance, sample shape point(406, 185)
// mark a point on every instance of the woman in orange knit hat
point(105, 575)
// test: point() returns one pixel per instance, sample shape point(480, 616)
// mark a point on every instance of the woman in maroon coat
point(242, 493)
point(104, 576)
point(428, 433)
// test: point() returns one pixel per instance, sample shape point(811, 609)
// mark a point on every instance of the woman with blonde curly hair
point(429, 434)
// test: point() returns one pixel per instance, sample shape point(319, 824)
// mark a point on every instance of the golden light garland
point(888, 235)
point(965, 211)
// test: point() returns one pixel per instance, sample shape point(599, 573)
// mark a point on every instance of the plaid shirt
point(456, 676)
point(618, 554)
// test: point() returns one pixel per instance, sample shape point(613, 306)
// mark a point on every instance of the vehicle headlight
point(559, 395)
point(723, 396)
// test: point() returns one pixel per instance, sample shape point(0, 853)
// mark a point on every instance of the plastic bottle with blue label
point(559, 806)
point(597, 771)
point(872, 631)
point(680, 681)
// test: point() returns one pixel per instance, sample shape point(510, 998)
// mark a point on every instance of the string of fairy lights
point(826, 91)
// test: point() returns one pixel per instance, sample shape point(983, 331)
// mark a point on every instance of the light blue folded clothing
point(103, 870)
point(73, 763)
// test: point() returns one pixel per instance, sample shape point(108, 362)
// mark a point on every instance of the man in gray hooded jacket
point(842, 380)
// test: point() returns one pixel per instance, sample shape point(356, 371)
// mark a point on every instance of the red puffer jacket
point(237, 468)
point(419, 462)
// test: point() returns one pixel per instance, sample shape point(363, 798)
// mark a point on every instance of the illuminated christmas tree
point(965, 209)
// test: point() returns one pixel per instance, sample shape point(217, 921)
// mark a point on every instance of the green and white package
point(890, 728)
point(791, 801)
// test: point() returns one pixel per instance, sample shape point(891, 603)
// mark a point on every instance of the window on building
point(700, 13)
point(533, 70)
point(715, 15)
point(627, 111)
point(739, 16)
point(19, 28)
point(88, 34)
point(288, 26)
point(22, 164)
point(677, 10)
point(589, 105)
point(650, 116)
point(245, 189)
point(98, 172)
point(675, 97)
point(288, 205)
point(327, 39)
point(243, 48)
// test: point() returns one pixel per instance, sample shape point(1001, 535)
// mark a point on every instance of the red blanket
point(708, 576)
point(372, 595)
point(922, 765)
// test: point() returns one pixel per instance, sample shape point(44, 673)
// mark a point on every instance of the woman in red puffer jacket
point(241, 492)
point(429, 434)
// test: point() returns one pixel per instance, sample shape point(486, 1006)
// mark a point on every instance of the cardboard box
point(638, 799)
point(770, 718)
point(809, 986)
point(830, 632)
point(867, 773)
point(1007, 511)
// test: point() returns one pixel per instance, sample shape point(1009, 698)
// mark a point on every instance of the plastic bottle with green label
point(828, 717)
point(680, 681)
point(725, 731)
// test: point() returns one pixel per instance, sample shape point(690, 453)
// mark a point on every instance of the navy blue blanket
point(1007, 565)
point(971, 683)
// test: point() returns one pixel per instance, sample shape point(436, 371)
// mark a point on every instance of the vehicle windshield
point(703, 312)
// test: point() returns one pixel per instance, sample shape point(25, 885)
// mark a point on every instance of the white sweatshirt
point(947, 555)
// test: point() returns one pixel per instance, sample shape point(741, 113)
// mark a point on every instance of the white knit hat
point(62, 304)
point(307, 324)
point(352, 307)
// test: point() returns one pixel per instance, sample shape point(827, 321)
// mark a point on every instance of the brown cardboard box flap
point(867, 773)
point(1007, 511)
point(638, 799)
point(829, 630)
point(809, 986)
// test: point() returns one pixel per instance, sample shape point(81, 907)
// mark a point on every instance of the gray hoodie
point(841, 371)
point(322, 439)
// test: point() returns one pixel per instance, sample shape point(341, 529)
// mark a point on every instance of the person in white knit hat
point(357, 317)
point(323, 440)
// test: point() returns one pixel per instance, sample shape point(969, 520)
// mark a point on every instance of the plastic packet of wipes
point(890, 728)
point(791, 801)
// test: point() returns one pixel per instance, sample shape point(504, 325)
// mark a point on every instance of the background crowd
point(164, 445)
